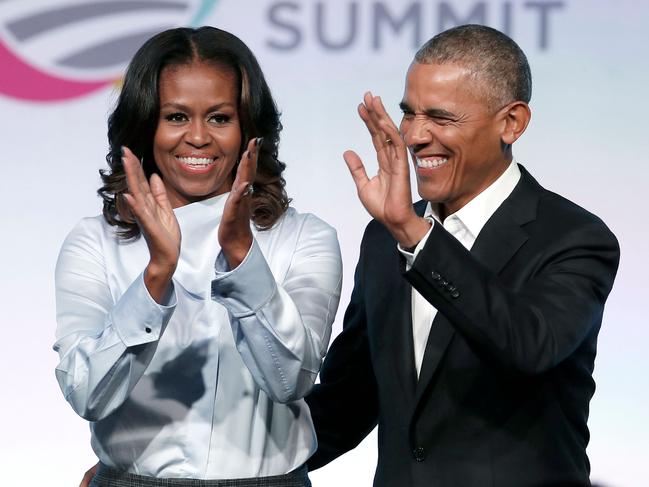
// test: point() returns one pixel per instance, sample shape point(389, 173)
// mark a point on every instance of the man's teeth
point(430, 163)
point(196, 161)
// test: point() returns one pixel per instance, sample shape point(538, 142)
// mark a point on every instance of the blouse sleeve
point(104, 346)
point(282, 329)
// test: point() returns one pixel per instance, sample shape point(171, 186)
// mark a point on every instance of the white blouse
point(209, 385)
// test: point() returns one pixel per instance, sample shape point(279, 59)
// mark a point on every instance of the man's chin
point(431, 195)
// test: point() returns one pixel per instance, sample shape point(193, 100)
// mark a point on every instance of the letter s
point(274, 14)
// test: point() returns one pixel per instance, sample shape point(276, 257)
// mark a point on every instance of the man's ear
point(516, 117)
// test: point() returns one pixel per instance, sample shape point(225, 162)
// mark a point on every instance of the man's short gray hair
point(495, 60)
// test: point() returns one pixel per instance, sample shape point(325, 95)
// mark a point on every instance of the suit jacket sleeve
point(344, 405)
point(535, 326)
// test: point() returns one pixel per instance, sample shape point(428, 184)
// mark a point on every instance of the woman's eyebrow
point(185, 108)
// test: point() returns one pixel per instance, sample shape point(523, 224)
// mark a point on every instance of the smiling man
point(471, 334)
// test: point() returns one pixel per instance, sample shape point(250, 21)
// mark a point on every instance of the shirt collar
point(475, 214)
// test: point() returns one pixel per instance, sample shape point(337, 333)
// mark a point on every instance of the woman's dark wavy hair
point(134, 121)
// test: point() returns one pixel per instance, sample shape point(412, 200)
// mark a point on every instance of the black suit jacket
point(502, 397)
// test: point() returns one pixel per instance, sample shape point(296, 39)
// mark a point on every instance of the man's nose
point(416, 133)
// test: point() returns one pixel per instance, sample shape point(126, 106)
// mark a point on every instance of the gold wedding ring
point(388, 141)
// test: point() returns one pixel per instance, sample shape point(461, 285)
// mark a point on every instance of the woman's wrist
point(236, 252)
point(157, 279)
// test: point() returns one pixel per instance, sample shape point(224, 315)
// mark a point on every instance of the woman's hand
point(152, 210)
point(235, 236)
point(87, 477)
point(386, 196)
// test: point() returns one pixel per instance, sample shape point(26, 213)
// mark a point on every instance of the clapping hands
point(154, 214)
point(235, 235)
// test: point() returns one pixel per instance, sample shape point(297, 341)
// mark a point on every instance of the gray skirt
point(109, 477)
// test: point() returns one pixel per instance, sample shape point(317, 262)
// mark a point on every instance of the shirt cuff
point(411, 256)
point(137, 318)
point(248, 287)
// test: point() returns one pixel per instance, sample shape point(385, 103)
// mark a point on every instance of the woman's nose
point(197, 135)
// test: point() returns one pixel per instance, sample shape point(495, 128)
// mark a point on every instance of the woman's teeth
point(433, 162)
point(197, 161)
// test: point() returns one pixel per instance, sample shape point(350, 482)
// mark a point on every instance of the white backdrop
point(587, 141)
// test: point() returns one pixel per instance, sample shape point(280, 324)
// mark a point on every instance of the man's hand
point(387, 195)
point(87, 477)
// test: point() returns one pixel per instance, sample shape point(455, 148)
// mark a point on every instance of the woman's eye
point(219, 118)
point(176, 117)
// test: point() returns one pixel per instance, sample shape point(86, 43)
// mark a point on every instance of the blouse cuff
point(137, 318)
point(248, 287)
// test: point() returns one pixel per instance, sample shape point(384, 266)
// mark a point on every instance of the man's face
point(452, 133)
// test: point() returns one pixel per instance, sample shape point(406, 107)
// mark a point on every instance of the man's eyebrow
point(439, 113)
point(405, 107)
point(429, 112)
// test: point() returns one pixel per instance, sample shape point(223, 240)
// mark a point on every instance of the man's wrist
point(410, 234)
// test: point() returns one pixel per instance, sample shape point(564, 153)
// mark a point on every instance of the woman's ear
point(516, 118)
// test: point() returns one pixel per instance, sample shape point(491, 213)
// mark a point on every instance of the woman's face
point(198, 137)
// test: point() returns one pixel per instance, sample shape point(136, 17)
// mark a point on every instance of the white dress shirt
point(210, 384)
point(465, 225)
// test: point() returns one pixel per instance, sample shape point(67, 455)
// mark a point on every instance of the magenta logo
point(56, 50)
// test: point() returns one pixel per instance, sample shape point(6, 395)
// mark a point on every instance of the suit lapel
point(441, 333)
point(499, 240)
point(399, 317)
point(503, 234)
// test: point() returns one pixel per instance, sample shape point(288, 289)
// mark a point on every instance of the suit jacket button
point(455, 294)
point(419, 454)
point(435, 275)
point(450, 288)
point(444, 283)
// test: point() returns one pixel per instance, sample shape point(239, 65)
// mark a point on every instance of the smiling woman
point(189, 350)
point(198, 139)
point(137, 117)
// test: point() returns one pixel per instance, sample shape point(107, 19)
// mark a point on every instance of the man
point(471, 333)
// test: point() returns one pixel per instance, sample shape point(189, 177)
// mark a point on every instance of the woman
point(194, 314)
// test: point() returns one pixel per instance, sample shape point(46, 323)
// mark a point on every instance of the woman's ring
point(249, 190)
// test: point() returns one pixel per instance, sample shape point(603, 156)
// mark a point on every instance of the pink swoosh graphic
point(20, 80)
